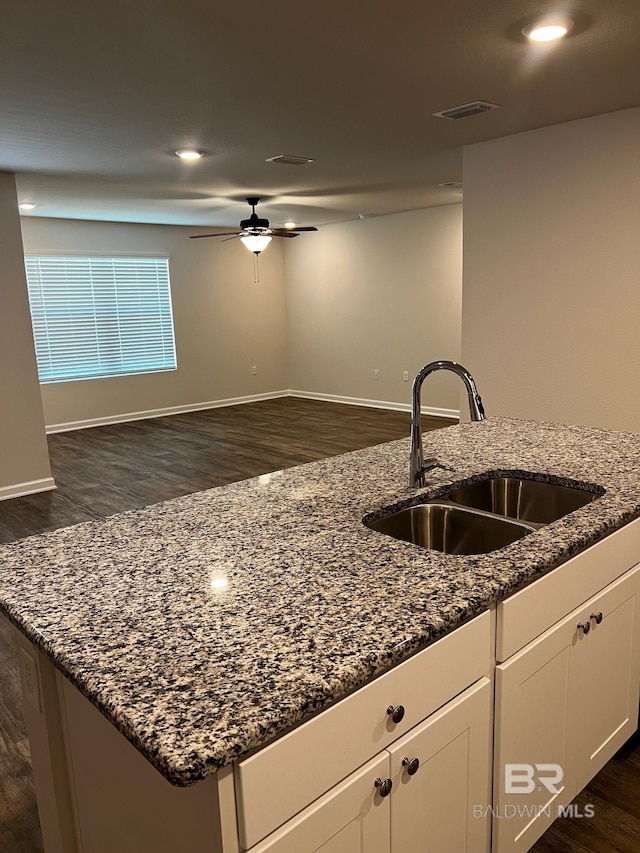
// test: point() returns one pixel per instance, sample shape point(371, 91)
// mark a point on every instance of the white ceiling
point(95, 97)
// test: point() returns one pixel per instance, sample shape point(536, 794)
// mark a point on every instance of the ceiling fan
point(255, 232)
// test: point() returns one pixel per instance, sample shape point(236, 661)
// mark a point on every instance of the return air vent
point(289, 160)
point(466, 110)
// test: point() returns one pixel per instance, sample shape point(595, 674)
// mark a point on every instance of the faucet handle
point(431, 463)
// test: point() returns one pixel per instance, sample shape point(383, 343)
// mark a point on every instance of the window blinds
point(96, 316)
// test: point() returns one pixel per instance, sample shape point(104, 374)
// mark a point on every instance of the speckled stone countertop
point(133, 610)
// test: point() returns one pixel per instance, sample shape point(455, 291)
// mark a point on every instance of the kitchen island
point(205, 627)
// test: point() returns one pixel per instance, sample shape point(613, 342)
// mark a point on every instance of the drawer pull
point(396, 713)
point(585, 627)
point(412, 765)
point(597, 616)
point(384, 786)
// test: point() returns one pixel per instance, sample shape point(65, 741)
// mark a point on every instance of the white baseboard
point(161, 413)
point(19, 490)
point(452, 414)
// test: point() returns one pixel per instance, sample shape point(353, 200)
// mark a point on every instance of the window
point(97, 317)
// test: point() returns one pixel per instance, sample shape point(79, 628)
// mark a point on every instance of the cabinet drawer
point(527, 614)
point(280, 780)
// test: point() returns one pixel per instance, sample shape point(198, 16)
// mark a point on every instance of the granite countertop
point(205, 626)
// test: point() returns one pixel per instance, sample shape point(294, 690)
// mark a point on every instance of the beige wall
point(551, 295)
point(382, 293)
point(24, 458)
point(224, 323)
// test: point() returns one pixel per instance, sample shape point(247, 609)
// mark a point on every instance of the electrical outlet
point(30, 680)
point(254, 370)
point(405, 376)
point(376, 374)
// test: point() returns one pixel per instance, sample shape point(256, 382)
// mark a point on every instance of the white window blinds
point(97, 317)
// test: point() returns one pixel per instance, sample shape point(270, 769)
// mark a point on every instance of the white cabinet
point(351, 818)
point(608, 696)
point(438, 771)
point(564, 704)
point(528, 613)
point(442, 806)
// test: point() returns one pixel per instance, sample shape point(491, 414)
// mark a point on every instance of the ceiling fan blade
point(290, 232)
point(229, 238)
point(225, 234)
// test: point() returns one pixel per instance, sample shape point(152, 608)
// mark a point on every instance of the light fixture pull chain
point(256, 268)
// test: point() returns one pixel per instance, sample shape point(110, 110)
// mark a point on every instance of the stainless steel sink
point(450, 529)
point(526, 500)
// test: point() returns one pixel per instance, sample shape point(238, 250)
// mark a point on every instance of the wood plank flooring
point(111, 469)
point(114, 468)
point(614, 795)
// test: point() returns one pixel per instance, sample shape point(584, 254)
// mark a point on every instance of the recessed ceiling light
point(289, 224)
point(189, 154)
point(547, 30)
point(27, 205)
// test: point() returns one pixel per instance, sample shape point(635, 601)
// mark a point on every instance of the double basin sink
point(483, 516)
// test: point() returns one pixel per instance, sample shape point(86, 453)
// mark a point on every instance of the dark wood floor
point(114, 468)
point(111, 469)
point(614, 795)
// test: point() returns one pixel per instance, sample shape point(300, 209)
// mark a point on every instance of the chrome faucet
point(418, 465)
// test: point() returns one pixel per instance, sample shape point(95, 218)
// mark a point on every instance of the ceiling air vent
point(466, 110)
point(289, 160)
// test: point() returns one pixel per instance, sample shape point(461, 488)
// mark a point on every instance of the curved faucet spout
point(418, 465)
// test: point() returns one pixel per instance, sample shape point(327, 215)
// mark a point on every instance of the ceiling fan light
point(256, 242)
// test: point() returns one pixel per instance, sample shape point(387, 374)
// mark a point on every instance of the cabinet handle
point(412, 765)
point(585, 627)
point(396, 713)
point(597, 616)
point(384, 786)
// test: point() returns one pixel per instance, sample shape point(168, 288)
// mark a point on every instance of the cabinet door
point(350, 818)
point(442, 807)
point(609, 678)
point(536, 700)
